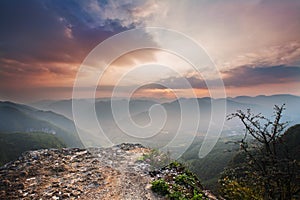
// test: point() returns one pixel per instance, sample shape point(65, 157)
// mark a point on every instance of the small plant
point(197, 195)
point(175, 164)
point(160, 187)
point(177, 195)
point(178, 183)
point(185, 179)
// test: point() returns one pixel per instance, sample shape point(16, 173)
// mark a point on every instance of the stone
point(73, 173)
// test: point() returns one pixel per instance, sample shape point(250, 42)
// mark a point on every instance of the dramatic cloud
point(42, 43)
point(238, 77)
point(251, 76)
point(284, 54)
point(235, 32)
point(29, 32)
point(127, 13)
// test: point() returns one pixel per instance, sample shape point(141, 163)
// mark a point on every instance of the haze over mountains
point(64, 107)
point(55, 117)
point(139, 111)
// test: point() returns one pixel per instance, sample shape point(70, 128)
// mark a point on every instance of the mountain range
point(55, 117)
point(140, 115)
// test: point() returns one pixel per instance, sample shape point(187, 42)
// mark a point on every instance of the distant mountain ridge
point(139, 113)
point(44, 117)
point(23, 118)
point(64, 107)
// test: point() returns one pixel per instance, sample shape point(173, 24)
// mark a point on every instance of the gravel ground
point(97, 173)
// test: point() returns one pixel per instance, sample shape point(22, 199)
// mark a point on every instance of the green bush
point(177, 195)
point(232, 189)
point(160, 187)
point(185, 179)
point(197, 195)
point(178, 184)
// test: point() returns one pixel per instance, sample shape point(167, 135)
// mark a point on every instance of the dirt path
point(130, 180)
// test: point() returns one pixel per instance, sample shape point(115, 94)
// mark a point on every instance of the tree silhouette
point(268, 167)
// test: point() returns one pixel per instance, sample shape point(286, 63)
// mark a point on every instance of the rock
point(73, 173)
point(129, 146)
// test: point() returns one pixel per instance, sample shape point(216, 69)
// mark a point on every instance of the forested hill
point(12, 145)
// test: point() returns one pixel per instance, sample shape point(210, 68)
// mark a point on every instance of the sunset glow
point(254, 44)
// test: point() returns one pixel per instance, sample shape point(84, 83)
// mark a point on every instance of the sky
point(254, 45)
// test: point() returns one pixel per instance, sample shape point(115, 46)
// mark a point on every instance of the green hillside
point(292, 139)
point(226, 154)
point(254, 172)
point(22, 118)
point(12, 145)
point(289, 143)
point(209, 168)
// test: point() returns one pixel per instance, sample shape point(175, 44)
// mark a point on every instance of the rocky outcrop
point(94, 173)
point(98, 173)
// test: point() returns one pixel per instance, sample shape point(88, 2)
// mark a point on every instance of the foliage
point(160, 187)
point(185, 179)
point(267, 168)
point(178, 184)
point(197, 195)
point(239, 188)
